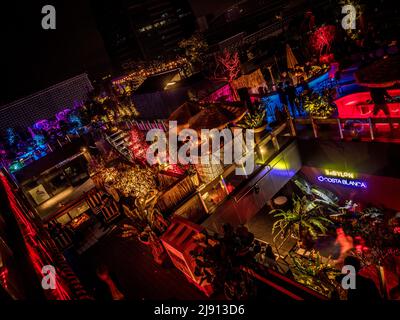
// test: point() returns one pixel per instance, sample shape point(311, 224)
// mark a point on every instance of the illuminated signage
point(340, 174)
point(342, 181)
point(344, 178)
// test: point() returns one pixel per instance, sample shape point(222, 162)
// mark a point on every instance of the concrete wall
point(245, 204)
point(378, 164)
point(380, 191)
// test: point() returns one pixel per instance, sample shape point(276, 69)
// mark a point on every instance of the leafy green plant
point(318, 106)
point(314, 273)
point(194, 49)
point(254, 119)
point(220, 258)
point(305, 218)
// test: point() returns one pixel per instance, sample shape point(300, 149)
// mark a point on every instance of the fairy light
point(146, 72)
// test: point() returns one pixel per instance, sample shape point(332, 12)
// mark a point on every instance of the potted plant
point(318, 106)
point(305, 221)
point(316, 274)
point(220, 258)
point(148, 225)
point(255, 119)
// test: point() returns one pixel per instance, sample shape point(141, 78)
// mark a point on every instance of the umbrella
point(208, 116)
point(380, 74)
point(291, 59)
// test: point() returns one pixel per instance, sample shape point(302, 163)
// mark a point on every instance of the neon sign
point(340, 174)
point(345, 182)
point(344, 178)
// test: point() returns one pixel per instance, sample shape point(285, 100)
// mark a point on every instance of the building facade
point(142, 30)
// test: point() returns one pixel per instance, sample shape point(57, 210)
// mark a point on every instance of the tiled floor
point(261, 226)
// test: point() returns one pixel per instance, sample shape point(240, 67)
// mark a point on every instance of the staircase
point(121, 143)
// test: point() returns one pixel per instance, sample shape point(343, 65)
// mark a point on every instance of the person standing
point(282, 94)
point(304, 86)
point(291, 95)
point(378, 96)
point(270, 258)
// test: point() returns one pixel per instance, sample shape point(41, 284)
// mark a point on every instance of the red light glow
point(38, 253)
point(359, 105)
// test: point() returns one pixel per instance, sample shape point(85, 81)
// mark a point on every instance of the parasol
point(291, 59)
point(380, 74)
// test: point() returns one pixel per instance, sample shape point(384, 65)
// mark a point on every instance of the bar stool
point(280, 202)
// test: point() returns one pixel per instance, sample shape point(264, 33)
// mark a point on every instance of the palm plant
point(305, 218)
point(148, 225)
point(318, 195)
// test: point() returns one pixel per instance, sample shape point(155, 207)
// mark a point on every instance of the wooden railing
point(176, 194)
point(338, 126)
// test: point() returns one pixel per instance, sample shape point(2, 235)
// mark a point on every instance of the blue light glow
point(344, 182)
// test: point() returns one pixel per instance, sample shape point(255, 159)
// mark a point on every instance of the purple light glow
point(63, 115)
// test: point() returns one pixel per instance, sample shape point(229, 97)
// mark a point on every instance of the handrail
point(337, 123)
point(287, 281)
point(272, 284)
point(344, 120)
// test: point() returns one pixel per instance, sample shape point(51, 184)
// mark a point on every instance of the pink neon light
point(355, 106)
point(38, 253)
point(225, 91)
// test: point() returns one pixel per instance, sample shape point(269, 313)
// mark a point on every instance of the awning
point(208, 116)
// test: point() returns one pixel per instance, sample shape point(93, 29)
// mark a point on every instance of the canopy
point(208, 116)
point(380, 74)
point(184, 113)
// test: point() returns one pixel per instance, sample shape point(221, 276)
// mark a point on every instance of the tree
point(322, 38)
point(148, 225)
point(194, 48)
point(228, 68)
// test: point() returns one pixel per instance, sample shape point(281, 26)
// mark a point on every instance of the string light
point(152, 70)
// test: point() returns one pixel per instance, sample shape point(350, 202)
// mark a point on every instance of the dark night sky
point(33, 58)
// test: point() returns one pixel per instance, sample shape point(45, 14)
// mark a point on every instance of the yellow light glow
point(340, 174)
